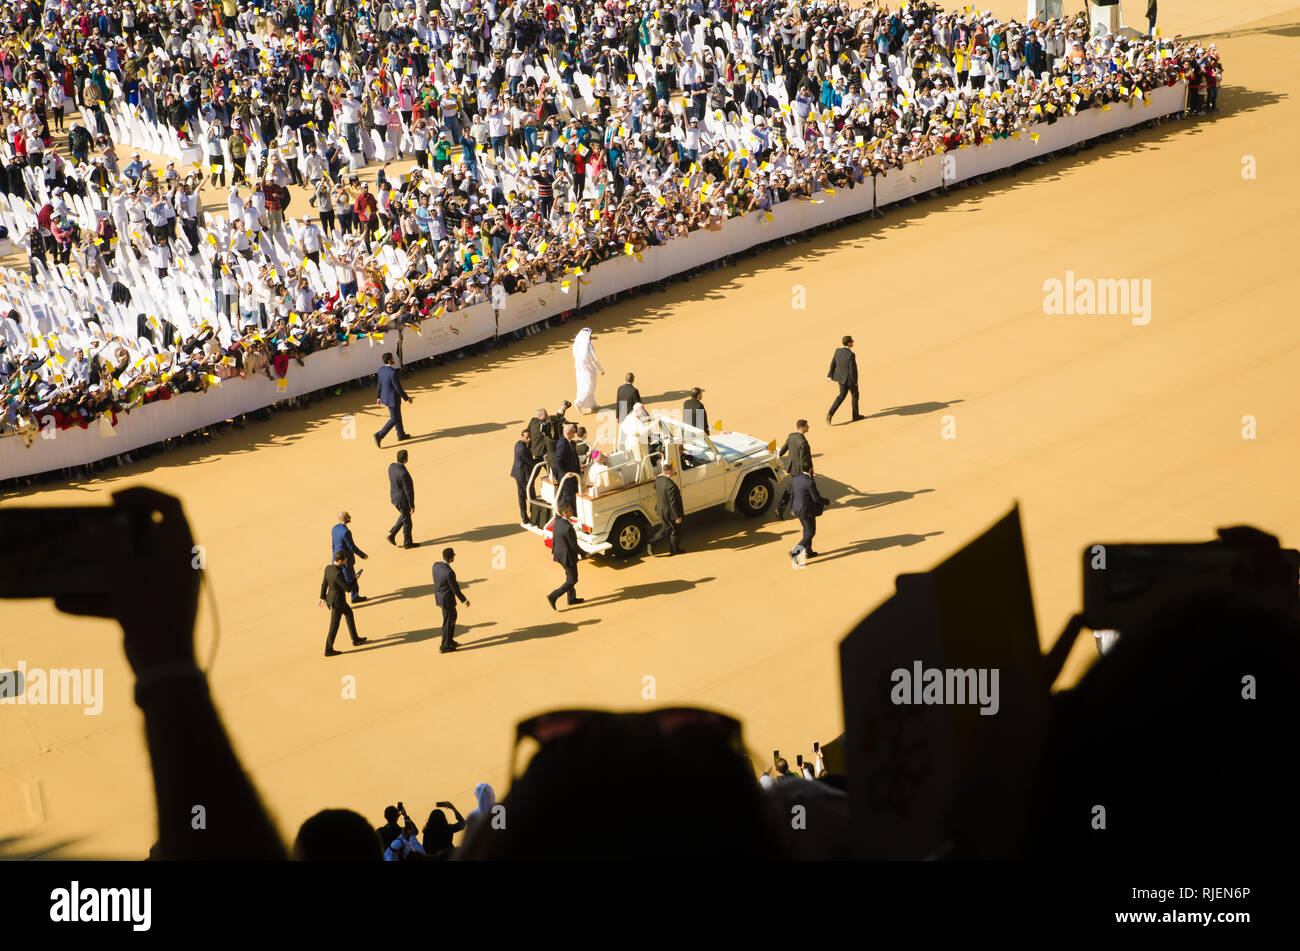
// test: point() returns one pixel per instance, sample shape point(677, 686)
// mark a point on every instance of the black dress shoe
point(360, 640)
point(404, 438)
point(411, 545)
point(858, 419)
point(828, 419)
point(392, 540)
point(812, 554)
point(578, 601)
point(551, 601)
point(448, 649)
point(359, 598)
point(332, 653)
point(377, 440)
point(679, 551)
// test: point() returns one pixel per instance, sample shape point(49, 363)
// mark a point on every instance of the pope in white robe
point(585, 367)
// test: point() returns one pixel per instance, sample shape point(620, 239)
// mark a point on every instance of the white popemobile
point(615, 514)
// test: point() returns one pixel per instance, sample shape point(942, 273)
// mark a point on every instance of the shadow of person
point(668, 396)
point(411, 591)
point(485, 533)
point(842, 495)
point(553, 629)
point(742, 542)
point(474, 429)
point(873, 544)
point(649, 590)
point(914, 409)
point(413, 637)
point(873, 500)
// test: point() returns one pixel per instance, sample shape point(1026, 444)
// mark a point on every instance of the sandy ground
point(1102, 430)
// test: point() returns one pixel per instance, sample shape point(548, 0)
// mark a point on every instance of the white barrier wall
point(188, 412)
point(961, 164)
point(537, 303)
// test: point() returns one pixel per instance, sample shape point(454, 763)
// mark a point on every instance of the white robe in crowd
point(585, 367)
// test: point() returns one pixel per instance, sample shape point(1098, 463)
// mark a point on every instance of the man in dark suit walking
point(693, 411)
point(796, 452)
point(401, 492)
point(844, 371)
point(565, 552)
point(391, 394)
point(628, 396)
point(341, 541)
point(521, 470)
point(668, 505)
point(566, 462)
point(446, 592)
point(807, 506)
point(334, 592)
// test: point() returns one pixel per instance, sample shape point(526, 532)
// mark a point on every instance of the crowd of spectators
point(546, 138)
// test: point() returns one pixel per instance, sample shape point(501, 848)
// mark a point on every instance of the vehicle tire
point(755, 495)
point(629, 534)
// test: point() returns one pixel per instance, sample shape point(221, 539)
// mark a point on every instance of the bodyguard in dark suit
point(341, 541)
point(522, 469)
point(391, 394)
point(807, 505)
point(668, 505)
point(795, 452)
point(565, 552)
point(628, 396)
point(401, 492)
point(693, 411)
point(844, 371)
point(539, 429)
point(567, 461)
point(446, 592)
point(554, 428)
point(334, 592)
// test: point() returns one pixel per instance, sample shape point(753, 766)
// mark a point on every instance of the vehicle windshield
point(731, 453)
point(697, 451)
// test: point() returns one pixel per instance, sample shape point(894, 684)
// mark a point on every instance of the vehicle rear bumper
point(585, 542)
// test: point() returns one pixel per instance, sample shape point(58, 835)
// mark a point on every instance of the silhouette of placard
point(907, 761)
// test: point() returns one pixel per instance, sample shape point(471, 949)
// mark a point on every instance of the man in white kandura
point(585, 366)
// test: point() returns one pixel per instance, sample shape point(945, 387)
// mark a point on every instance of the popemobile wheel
point(755, 495)
point(628, 535)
